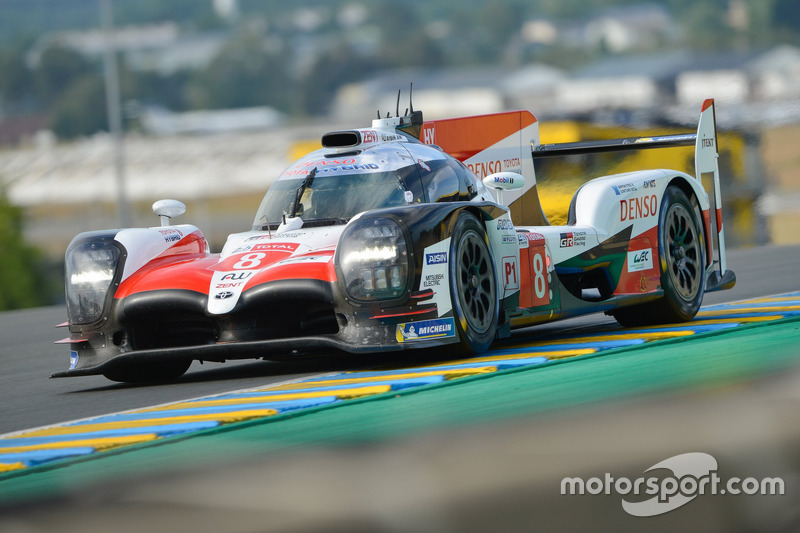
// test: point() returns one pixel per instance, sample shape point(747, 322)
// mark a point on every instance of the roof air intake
point(341, 139)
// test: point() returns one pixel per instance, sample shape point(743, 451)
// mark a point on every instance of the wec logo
point(640, 260)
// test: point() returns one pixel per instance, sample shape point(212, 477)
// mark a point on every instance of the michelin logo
point(425, 329)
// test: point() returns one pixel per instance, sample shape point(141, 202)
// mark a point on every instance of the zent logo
point(368, 136)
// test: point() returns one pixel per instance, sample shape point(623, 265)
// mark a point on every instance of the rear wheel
point(682, 261)
point(473, 285)
point(143, 372)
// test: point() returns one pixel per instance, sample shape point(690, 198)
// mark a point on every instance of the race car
point(400, 236)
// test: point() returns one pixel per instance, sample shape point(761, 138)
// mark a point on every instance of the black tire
point(144, 372)
point(682, 260)
point(473, 285)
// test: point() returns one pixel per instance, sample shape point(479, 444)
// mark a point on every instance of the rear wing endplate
point(706, 162)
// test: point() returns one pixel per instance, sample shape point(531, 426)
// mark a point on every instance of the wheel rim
point(475, 282)
point(684, 261)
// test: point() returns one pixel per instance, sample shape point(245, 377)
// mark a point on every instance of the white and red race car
point(400, 236)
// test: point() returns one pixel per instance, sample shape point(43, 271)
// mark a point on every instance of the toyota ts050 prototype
point(400, 236)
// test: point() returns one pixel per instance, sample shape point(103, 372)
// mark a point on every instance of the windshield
point(329, 199)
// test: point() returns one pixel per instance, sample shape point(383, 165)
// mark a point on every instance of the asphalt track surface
point(29, 399)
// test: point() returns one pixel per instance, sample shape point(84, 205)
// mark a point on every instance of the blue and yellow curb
point(46, 446)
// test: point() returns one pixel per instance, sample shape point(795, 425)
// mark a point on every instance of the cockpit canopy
point(326, 188)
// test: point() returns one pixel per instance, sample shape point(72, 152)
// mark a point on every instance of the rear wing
point(706, 162)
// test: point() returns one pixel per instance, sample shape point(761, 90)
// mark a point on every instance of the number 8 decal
point(539, 280)
point(250, 261)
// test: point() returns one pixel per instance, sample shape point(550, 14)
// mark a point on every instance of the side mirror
point(168, 209)
point(503, 181)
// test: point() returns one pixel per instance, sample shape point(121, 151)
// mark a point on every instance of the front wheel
point(682, 261)
point(473, 285)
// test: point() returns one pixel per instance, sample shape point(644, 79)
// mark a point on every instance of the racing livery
point(400, 236)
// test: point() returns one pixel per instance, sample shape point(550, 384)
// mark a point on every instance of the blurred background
point(109, 105)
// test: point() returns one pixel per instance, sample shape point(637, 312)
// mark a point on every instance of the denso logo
point(635, 208)
point(436, 258)
point(482, 169)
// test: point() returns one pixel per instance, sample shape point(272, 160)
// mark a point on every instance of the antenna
point(411, 97)
point(397, 110)
point(379, 114)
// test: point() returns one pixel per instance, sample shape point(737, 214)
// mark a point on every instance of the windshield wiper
point(298, 195)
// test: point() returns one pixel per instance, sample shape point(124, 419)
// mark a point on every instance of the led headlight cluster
point(373, 258)
point(90, 268)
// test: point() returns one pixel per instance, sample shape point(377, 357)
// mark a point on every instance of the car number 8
point(539, 281)
point(250, 261)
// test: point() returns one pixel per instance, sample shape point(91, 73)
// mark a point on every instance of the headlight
point(91, 267)
point(374, 259)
